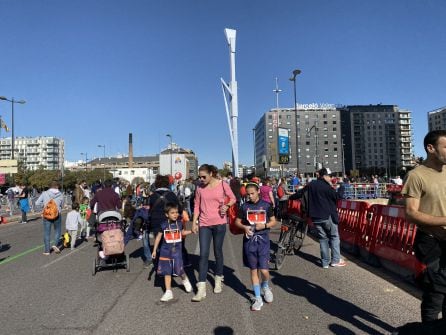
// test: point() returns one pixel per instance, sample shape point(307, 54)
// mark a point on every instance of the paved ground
point(57, 294)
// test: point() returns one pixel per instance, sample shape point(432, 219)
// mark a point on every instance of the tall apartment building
point(437, 119)
point(35, 152)
point(316, 128)
point(377, 139)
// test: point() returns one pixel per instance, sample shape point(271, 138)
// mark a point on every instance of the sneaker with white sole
point(267, 294)
point(257, 304)
point(167, 296)
point(55, 249)
point(339, 264)
point(187, 285)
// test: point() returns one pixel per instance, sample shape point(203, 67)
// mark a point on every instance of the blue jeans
point(47, 232)
point(206, 234)
point(327, 232)
point(146, 246)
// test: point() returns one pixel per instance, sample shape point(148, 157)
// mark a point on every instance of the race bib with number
point(256, 216)
point(172, 235)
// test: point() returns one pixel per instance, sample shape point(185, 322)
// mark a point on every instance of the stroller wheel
point(93, 272)
point(127, 263)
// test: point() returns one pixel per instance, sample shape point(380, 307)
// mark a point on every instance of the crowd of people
point(164, 213)
point(161, 215)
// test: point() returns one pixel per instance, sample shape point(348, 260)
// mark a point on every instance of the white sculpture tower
point(230, 93)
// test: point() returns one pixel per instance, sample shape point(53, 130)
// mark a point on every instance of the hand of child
point(154, 254)
point(194, 228)
point(248, 231)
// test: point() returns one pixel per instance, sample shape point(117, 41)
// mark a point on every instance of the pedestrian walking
point(266, 192)
point(84, 212)
point(322, 202)
point(426, 207)
point(256, 218)
point(52, 193)
point(24, 202)
point(212, 200)
point(73, 222)
point(170, 260)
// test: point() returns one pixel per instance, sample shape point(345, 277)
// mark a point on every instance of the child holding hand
point(170, 254)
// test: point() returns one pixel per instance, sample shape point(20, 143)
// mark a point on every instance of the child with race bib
point(256, 217)
point(170, 260)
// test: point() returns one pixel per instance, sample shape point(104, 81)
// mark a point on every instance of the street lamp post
point(296, 72)
point(12, 101)
point(171, 153)
point(103, 147)
point(254, 145)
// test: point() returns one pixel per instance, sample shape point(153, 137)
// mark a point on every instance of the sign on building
point(284, 146)
point(8, 166)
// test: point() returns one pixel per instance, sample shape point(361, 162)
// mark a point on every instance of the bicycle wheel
point(281, 250)
point(300, 233)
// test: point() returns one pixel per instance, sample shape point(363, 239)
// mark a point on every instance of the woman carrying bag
point(213, 198)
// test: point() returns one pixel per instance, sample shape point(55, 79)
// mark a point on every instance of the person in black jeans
point(425, 196)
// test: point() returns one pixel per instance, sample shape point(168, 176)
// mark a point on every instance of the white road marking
point(64, 256)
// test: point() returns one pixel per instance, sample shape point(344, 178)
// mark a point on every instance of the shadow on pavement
point(230, 280)
point(329, 303)
point(309, 258)
point(223, 330)
point(340, 330)
point(4, 247)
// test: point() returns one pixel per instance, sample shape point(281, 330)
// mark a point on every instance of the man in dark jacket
point(322, 199)
point(107, 199)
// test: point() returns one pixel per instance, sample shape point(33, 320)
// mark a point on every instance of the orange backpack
point(51, 211)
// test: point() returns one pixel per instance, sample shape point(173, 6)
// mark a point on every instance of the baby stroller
point(111, 243)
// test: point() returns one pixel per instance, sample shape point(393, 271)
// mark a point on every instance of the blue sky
point(93, 71)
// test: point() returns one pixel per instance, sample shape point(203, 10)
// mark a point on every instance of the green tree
point(42, 178)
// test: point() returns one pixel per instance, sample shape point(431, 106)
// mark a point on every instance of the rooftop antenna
point(277, 91)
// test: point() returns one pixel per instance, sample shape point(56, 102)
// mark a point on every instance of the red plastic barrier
point(352, 220)
point(391, 237)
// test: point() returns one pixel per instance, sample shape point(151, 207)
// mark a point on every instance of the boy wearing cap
point(256, 217)
point(322, 201)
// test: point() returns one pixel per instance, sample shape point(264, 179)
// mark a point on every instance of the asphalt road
point(57, 294)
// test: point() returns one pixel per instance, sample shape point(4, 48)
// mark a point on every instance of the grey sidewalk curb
point(18, 218)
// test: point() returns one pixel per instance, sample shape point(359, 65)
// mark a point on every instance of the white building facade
point(43, 151)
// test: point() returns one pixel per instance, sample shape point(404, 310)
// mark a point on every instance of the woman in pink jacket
point(211, 205)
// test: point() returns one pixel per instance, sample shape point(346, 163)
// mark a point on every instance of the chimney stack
point(130, 151)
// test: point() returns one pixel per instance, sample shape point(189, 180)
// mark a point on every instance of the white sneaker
point(267, 294)
point(167, 296)
point(187, 285)
point(341, 263)
point(257, 304)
